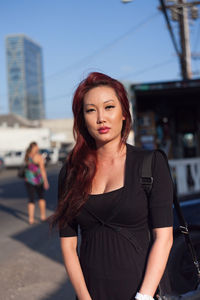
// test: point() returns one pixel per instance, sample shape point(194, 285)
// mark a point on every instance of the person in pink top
point(36, 181)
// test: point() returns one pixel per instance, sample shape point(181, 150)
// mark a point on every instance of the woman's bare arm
point(163, 240)
point(73, 267)
point(40, 161)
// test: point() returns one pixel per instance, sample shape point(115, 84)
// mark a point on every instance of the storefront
point(167, 116)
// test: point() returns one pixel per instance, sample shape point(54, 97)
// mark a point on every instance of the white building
point(17, 132)
point(61, 131)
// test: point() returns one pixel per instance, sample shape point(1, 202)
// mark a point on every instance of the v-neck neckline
point(116, 208)
point(124, 179)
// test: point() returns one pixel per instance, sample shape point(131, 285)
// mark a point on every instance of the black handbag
point(21, 171)
point(147, 182)
point(193, 295)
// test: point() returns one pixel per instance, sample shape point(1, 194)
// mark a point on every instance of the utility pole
point(179, 12)
point(185, 41)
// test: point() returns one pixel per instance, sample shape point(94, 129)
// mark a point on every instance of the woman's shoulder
point(37, 158)
point(136, 150)
point(135, 156)
point(159, 156)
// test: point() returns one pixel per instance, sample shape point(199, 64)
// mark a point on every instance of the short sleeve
point(71, 229)
point(161, 198)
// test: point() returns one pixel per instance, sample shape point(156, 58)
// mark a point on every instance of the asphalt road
point(31, 264)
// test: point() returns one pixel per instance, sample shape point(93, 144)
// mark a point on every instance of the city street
point(79, 81)
point(30, 258)
point(31, 264)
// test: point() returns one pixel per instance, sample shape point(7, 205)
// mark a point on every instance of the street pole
point(185, 41)
point(179, 10)
point(181, 7)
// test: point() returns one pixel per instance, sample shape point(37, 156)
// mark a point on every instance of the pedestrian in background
point(36, 181)
point(99, 190)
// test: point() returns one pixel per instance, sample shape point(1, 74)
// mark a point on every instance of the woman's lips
point(103, 130)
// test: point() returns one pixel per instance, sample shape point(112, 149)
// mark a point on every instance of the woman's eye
point(89, 110)
point(109, 107)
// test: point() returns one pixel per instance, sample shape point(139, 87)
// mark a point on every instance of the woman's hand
point(40, 161)
point(46, 185)
point(158, 256)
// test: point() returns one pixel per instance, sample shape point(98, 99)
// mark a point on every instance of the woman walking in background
point(36, 181)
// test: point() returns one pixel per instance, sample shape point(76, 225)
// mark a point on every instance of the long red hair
point(80, 166)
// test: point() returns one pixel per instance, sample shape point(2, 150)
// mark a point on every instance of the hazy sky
point(126, 41)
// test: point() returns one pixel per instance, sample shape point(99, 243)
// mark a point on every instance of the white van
point(14, 158)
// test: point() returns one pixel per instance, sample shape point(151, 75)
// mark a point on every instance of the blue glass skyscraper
point(25, 77)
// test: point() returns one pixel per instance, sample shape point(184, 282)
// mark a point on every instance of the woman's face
point(103, 114)
point(35, 149)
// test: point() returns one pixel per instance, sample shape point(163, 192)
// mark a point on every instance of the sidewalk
point(31, 266)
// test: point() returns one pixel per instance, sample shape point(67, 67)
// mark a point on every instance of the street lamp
point(126, 1)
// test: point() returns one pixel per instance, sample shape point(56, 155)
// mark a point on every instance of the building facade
point(25, 77)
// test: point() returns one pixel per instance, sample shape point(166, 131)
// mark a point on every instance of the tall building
point(25, 77)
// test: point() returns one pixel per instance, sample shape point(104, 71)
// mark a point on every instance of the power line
point(60, 96)
point(197, 38)
point(105, 47)
point(195, 54)
point(138, 72)
point(88, 58)
point(169, 27)
point(179, 10)
point(141, 71)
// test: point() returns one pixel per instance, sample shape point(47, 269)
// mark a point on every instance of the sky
point(129, 42)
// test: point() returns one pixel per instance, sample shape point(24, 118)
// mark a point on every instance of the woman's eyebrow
point(89, 104)
point(109, 100)
point(103, 102)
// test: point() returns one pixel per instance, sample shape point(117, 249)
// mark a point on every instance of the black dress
point(113, 267)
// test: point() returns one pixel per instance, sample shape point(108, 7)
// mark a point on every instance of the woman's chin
point(102, 140)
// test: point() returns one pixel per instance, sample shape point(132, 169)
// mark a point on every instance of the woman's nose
point(100, 120)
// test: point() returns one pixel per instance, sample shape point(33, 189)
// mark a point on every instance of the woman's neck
point(110, 151)
point(32, 154)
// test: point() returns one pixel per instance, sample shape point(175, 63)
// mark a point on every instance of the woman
point(36, 181)
point(99, 190)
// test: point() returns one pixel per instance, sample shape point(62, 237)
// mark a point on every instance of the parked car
point(62, 155)
point(14, 159)
point(54, 153)
point(1, 164)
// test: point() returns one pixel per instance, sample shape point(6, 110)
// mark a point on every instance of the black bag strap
point(147, 183)
point(146, 178)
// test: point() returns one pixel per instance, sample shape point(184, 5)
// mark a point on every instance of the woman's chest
point(109, 177)
point(127, 206)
